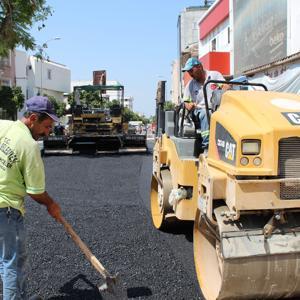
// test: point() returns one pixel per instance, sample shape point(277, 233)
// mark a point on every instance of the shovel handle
point(87, 252)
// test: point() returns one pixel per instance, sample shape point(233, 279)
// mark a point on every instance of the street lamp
point(45, 44)
point(41, 56)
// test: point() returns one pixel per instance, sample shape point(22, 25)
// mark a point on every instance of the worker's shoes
point(35, 297)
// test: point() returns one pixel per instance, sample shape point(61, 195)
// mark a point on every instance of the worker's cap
point(190, 63)
point(41, 104)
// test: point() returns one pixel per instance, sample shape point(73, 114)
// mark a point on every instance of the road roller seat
point(186, 123)
point(183, 133)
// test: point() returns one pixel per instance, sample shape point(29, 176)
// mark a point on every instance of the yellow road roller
point(247, 210)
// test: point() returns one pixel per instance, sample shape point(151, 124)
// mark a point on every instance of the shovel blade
point(113, 286)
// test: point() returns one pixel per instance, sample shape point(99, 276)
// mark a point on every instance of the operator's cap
point(190, 63)
point(41, 104)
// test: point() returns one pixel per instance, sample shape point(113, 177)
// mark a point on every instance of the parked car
point(41, 145)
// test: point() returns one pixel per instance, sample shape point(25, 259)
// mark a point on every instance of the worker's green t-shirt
point(21, 165)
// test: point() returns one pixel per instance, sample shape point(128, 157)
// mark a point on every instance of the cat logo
point(226, 145)
point(230, 151)
point(293, 117)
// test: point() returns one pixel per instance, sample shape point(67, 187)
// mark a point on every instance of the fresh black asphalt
point(106, 199)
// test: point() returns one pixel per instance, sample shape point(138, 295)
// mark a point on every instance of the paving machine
point(101, 129)
point(244, 194)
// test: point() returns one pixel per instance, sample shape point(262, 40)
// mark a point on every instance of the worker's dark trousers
point(12, 254)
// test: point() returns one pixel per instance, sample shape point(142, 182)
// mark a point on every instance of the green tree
point(18, 97)
point(59, 106)
point(109, 104)
point(152, 119)
point(91, 99)
point(130, 115)
point(16, 19)
point(71, 99)
point(11, 99)
point(169, 105)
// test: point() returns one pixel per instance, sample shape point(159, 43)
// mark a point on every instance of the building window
point(214, 45)
point(5, 82)
point(5, 61)
point(228, 35)
point(49, 74)
point(27, 70)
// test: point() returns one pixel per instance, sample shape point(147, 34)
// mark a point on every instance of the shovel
point(110, 284)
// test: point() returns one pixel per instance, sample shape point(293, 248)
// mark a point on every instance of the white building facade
point(21, 71)
point(128, 102)
point(39, 77)
point(47, 77)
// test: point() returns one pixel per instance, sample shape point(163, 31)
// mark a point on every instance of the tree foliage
point(92, 99)
point(112, 103)
point(59, 106)
point(18, 97)
point(169, 105)
point(11, 100)
point(16, 19)
point(130, 115)
point(152, 119)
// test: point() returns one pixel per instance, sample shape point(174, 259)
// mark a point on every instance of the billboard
point(99, 77)
point(260, 33)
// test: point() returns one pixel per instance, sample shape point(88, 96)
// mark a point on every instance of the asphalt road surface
point(106, 200)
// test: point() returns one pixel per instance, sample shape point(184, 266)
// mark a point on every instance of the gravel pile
point(103, 198)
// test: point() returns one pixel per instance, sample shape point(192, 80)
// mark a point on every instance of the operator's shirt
point(194, 90)
point(21, 165)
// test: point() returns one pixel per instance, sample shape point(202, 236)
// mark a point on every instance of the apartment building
point(7, 70)
point(188, 37)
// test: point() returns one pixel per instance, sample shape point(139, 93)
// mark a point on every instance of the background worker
point(193, 94)
point(21, 173)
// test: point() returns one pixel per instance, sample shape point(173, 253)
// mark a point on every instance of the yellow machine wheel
point(234, 275)
point(206, 259)
point(159, 199)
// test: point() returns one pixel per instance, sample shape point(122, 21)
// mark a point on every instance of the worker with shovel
point(21, 173)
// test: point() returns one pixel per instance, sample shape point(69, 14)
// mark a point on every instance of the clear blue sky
point(135, 41)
